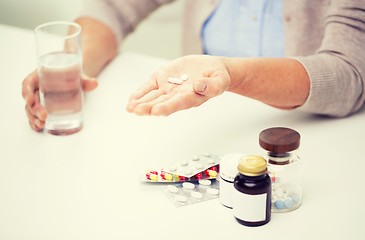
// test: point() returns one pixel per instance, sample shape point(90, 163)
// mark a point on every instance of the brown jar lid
point(279, 139)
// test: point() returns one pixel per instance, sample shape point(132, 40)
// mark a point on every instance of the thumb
point(210, 87)
point(89, 83)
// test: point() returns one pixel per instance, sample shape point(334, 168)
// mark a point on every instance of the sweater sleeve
point(121, 16)
point(337, 70)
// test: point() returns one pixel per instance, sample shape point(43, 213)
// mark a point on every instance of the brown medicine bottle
point(252, 196)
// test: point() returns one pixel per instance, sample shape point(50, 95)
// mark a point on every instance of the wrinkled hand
point(207, 78)
point(36, 113)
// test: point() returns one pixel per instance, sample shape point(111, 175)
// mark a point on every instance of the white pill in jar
point(213, 191)
point(188, 185)
point(279, 193)
point(196, 195)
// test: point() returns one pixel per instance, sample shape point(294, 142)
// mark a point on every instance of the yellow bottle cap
point(252, 165)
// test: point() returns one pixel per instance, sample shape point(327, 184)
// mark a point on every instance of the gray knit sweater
point(326, 36)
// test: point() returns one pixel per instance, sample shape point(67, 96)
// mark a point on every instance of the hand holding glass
point(58, 46)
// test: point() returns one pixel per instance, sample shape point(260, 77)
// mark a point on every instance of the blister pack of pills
point(203, 166)
point(165, 177)
point(194, 165)
point(188, 193)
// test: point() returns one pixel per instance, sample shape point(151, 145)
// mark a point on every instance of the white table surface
point(86, 186)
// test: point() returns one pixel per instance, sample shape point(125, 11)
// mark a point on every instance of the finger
point(178, 102)
point(34, 122)
point(150, 96)
point(154, 94)
point(149, 86)
point(37, 109)
point(89, 83)
point(211, 87)
point(29, 86)
point(145, 108)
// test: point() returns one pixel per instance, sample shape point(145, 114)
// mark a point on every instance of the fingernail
point(200, 86)
point(37, 122)
point(39, 115)
point(27, 100)
point(129, 108)
point(42, 115)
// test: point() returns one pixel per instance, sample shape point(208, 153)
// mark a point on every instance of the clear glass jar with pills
point(284, 167)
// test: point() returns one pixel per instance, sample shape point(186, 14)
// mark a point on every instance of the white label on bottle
point(250, 208)
point(226, 190)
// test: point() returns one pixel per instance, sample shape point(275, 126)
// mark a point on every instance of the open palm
point(207, 78)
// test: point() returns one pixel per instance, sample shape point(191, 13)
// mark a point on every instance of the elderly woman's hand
point(36, 113)
point(207, 77)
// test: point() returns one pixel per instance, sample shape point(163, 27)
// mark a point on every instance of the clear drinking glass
point(58, 46)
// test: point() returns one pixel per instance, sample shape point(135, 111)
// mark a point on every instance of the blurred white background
point(159, 35)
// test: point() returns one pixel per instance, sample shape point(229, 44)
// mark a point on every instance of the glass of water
point(58, 47)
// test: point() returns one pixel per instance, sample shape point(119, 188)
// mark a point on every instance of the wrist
point(99, 45)
point(237, 76)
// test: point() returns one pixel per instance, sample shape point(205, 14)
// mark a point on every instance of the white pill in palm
point(184, 77)
point(177, 81)
point(188, 185)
